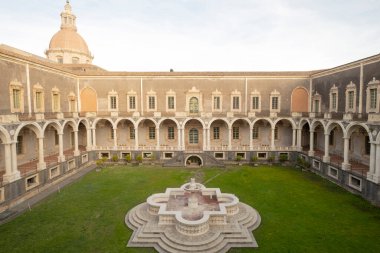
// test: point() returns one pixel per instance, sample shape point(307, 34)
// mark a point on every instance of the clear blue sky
point(204, 35)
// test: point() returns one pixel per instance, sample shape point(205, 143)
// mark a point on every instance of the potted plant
point(139, 159)
point(254, 160)
point(238, 159)
point(128, 158)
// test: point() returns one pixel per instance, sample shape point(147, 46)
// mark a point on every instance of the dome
point(68, 39)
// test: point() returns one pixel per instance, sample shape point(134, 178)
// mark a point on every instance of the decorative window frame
point(273, 94)
point(151, 93)
point(215, 94)
point(351, 87)
point(171, 93)
point(38, 88)
point(374, 84)
point(236, 93)
point(55, 91)
point(113, 93)
point(316, 97)
point(132, 93)
point(334, 90)
point(255, 93)
point(71, 97)
point(194, 92)
point(16, 85)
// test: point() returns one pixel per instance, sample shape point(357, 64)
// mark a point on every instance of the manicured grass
point(300, 212)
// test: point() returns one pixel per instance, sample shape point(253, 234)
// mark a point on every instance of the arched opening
point(193, 161)
point(300, 100)
point(305, 137)
point(147, 134)
point(193, 135)
point(283, 133)
point(168, 134)
point(126, 134)
point(193, 105)
point(359, 148)
point(83, 142)
point(240, 135)
point(88, 100)
point(261, 134)
point(104, 133)
point(27, 149)
point(219, 135)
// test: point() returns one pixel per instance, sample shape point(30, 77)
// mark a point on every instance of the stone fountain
point(192, 218)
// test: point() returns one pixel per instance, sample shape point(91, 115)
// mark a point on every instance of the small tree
point(115, 158)
point(139, 158)
point(254, 159)
point(99, 162)
point(128, 158)
point(238, 158)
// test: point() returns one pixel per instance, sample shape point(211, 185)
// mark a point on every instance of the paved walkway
point(17, 210)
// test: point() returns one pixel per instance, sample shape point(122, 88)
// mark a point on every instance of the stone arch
point(291, 121)
point(243, 119)
point(85, 122)
point(330, 126)
point(263, 119)
point(316, 123)
point(88, 100)
point(33, 126)
point(215, 119)
point(352, 126)
point(172, 119)
point(189, 157)
point(303, 122)
point(4, 135)
point(96, 121)
point(147, 119)
point(55, 124)
point(71, 123)
point(197, 119)
point(300, 100)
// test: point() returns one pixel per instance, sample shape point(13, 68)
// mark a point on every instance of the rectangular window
point(20, 145)
point(55, 102)
point(276, 133)
point(235, 133)
point(255, 132)
point(16, 99)
point(274, 103)
point(152, 102)
point(132, 102)
point(216, 133)
point(351, 100)
point(113, 102)
point(373, 98)
point(152, 133)
point(255, 103)
point(171, 102)
point(38, 100)
point(235, 103)
point(333, 101)
point(132, 133)
point(72, 105)
point(171, 133)
point(216, 103)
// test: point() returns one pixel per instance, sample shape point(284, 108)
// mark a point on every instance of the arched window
point(193, 106)
point(193, 136)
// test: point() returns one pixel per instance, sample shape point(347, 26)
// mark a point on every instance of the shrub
point(104, 159)
point(271, 158)
point(139, 158)
point(238, 158)
point(128, 158)
point(254, 159)
point(283, 158)
point(99, 162)
point(115, 158)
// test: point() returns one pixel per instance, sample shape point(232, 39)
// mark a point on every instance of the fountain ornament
point(192, 218)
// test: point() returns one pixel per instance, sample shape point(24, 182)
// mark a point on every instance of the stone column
point(299, 136)
point(179, 138)
point(89, 142)
point(376, 176)
point(61, 156)
point(137, 138)
point(311, 149)
point(204, 139)
point(183, 138)
point(15, 171)
point(272, 147)
point(41, 161)
point(294, 138)
point(76, 145)
point(93, 138)
point(372, 163)
point(346, 164)
point(11, 174)
point(208, 139)
point(250, 139)
point(158, 138)
point(115, 139)
point(229, 138)
point(326, 157)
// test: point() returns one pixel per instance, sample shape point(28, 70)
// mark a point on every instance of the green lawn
point(300, 212)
